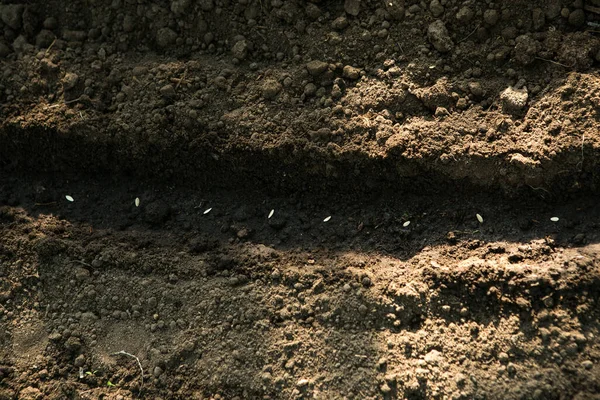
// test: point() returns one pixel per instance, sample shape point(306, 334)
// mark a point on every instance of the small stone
point(511, 368)
point(70, 80)
point(503, 357)
point(436, 8)
point(310, 89)
point(577, 18)
point(12, 14)
point(240, 49)
point(302, 383)
point(385, 388)
point(441, 112)
point(157, 371)
point(316, 67)
point(271, 89)
point(351, 72)
point(434, 357)
point(352, 7)
point(465, 15)
point(476, 89)
point(514, 100)
point(50, 23)
point(165, 37)
point(587, 364)
point(340, 23)
point(44, 38)
point(79, 361)
point(491, 17)
point(167, 91)
point(439, 37)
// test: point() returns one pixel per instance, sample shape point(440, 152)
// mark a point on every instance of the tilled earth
point(291, 199)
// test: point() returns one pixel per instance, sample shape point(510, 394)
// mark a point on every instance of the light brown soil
point(337, 200)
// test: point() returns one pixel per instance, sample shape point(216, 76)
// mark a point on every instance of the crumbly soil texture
point(288, 199)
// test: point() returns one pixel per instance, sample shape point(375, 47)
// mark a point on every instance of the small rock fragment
point(12, 14)
point(340, 23)
point(70, 80)
point(514, 100)
point(439, 37)
point(165, 37)
point(271, 89)
point(436, 8)
point(491, 17)
point(167, 91)
point(351, 72)
point(352, 7)
point(316, 67)
point(240, 49)
point(577, 18)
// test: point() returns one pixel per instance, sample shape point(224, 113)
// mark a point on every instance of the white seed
point(554, 219)
point(479, 218)
point(137, 201)
point(69, 198)
point(271, 214)
point(327, 219)
point(407, 223)
point(207, 211)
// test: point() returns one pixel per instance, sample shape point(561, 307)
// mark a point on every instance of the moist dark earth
point(294, 199)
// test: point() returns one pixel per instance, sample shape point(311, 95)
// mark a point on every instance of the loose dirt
point(291, 199)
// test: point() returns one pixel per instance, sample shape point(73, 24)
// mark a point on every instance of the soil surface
point(288, 199)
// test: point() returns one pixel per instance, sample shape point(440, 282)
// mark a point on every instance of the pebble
point(302, 383)
point(587, 364)
point(340, 23)
point(439, 37)
point(316, 67)
point(511, 368)
point(491, 17)
point(165, 37)
point(465, 15)
point(167, 91)
point(240, 49)
point(351, 72)
point(514, 100)
point(11, 15)
point(352, 7)
point(157, 371)
point(577, 18)
point(70, 80)
point(79, 361)
point(436, 8)
point(310, 89)
point(271, 89)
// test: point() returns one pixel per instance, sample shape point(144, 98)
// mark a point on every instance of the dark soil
point(290, 199)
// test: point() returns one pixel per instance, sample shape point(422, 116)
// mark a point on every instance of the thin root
point(124, 353)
